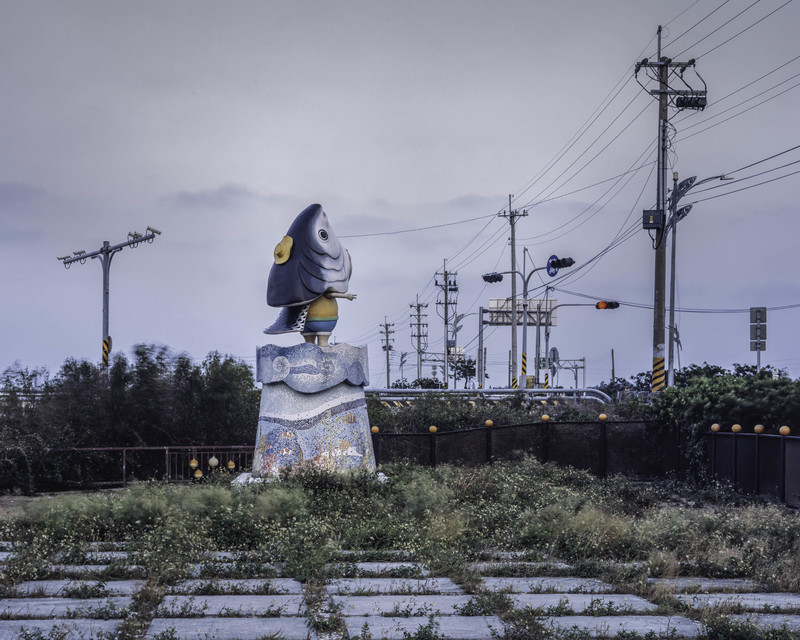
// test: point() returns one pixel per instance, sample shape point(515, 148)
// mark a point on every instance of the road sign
point(758, 332)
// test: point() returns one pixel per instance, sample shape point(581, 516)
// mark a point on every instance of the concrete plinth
point(313, 408)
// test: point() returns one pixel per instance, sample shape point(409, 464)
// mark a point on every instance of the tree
point(463, 368)
point(426, 383)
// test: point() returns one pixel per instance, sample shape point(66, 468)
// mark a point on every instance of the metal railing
point(171, 463)
point(490, 394)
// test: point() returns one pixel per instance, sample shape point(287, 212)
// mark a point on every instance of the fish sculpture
point(311, 270)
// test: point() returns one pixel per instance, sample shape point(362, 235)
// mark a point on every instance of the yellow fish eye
point(283, 250)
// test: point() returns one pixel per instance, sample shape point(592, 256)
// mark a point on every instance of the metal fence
point(766, 465)
point(642, 449)
point(116, 466)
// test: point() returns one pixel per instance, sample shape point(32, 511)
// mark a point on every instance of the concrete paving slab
point(5, 556)
point(393, 554)
point(770, 620)
point(78, 568)
point(518, 568)
point(38, 588)
point(62, 607)
point(107, 557)
point(73, 629)
point(544, 584)
point(662, 626)
point(221, 569)
point(581, 602)
point(5, 545)
point(364, 569)
point(107, 546)
point(400, 586)
point(242, 606)
point(233, 586)
point(753, 601)
point(229, 628)
point(704, 584)
point(405, 605)
point(451, 627)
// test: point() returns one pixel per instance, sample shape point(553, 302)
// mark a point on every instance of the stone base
point(313, 409)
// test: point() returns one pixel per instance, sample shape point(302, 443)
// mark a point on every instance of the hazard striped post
point(524, 375)
point(106, 350)
point(546, 379)
point(659, 376)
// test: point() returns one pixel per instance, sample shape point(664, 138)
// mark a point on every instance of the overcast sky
point(218, 122)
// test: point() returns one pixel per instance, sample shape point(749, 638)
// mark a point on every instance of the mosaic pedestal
point(313, 409)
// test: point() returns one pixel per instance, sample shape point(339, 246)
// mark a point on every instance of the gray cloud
point(228, 196)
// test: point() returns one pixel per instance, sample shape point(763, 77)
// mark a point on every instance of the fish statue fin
point(290, 319)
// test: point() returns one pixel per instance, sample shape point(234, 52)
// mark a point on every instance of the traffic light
point(492, 277)
point(561, 263)
point(607, 304)
point(691, 102)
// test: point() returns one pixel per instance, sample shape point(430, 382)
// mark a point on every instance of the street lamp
point(552, 266)
point(676, 215)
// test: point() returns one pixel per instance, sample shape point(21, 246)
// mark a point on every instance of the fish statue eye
point(323, 235)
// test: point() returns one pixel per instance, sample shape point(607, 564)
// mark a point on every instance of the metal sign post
point(758, 332)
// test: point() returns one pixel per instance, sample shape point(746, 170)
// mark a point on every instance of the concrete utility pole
point(512, 215)
point(104, 254)
point(387, 347)
point(419, 331)
point(449, 287)
point(662, 69)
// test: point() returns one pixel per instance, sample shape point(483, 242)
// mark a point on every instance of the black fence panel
point(746, 461)
point(468, 447)
point(792, 472)
point(411, 447)
point(769, 469)
point(768, 465)
point(577, 445)
point(639, 449)
point(723, 461)
point(514, 441)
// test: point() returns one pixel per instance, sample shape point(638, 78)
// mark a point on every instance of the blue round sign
point(551, 269)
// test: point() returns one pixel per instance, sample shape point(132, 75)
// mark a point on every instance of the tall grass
point(445, 516)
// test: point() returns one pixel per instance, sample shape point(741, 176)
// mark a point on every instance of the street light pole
point(553, 265)
point(678, 191)
point(104, 254)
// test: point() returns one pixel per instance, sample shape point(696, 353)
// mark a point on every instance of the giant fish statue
point(311, 270)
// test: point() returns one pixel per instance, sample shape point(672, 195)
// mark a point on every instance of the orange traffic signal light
point(607, 304)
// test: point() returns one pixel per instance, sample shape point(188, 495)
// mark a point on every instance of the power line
point(752, 186)
point(724, 24)
point(743, 30)
point(399, 231)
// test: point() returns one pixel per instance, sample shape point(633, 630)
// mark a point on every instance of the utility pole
point(661, 71)
point(104, 254)
point(387, 347)
point(449, 287)
point(512, 215)
point(419, 331)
